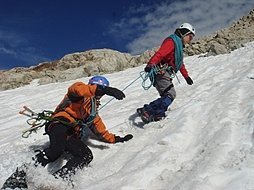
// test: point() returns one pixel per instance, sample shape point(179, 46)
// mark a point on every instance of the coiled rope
point(152, 74)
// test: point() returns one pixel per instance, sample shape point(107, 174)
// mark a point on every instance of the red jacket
point(166, 54)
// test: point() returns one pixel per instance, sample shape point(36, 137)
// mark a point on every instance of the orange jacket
point(77, 105)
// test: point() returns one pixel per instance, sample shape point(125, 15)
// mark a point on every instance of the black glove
point(101, 90)
point(123, 139)
point(189, 81)
point(147, 69)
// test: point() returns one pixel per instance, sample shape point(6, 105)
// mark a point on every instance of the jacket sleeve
point(166, 48)
point(80, 89)
point(184, 71)
point(101, 132)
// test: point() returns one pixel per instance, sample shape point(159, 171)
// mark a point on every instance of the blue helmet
point(99, 80)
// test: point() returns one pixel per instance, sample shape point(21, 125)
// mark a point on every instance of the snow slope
point(206, 141)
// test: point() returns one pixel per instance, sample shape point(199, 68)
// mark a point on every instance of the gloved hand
point(148, 68)
point(101, 90)
point(123, 139)
point(189, 81)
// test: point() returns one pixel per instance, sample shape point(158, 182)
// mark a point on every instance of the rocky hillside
point(70, 67)
point(101, 61)
point(225, 40)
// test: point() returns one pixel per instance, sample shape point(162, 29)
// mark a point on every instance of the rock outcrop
point(225, 40)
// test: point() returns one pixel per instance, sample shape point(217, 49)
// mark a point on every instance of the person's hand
point(189, 81)
point(147, 69)
point(123, 139)
point(101, 90)
point(118, 94)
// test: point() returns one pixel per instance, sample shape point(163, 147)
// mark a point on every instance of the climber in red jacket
point(167, 61)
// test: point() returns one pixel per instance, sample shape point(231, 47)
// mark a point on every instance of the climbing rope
point(122, 90)
point(145, 76)
point(148, 75)
point(36, 120)
point(152, 74)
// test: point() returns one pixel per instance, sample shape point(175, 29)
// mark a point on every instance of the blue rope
point(122, 90)
point(152, 74)
point(178, 51)
point(145, 76)
point(148, 75)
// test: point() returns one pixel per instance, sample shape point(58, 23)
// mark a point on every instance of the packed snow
point(205, 142)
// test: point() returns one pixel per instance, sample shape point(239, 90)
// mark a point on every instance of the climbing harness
point(158, 69)
point(38, 120)
point(86, 123)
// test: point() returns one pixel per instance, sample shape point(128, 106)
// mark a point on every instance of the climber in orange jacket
point(73, 117)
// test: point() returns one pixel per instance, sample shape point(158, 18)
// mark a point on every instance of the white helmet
point(188, 26)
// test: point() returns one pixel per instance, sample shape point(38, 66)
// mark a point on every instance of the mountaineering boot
point(41, 158)
point(146, 117)
point(65, 175)
point(140, 111)
point(17, 179)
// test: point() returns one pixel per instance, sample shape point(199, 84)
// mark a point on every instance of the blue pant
point(158, 107)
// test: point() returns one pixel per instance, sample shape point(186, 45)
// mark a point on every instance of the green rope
point(38, 120)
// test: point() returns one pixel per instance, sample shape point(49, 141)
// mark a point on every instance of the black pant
point(60, 142)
